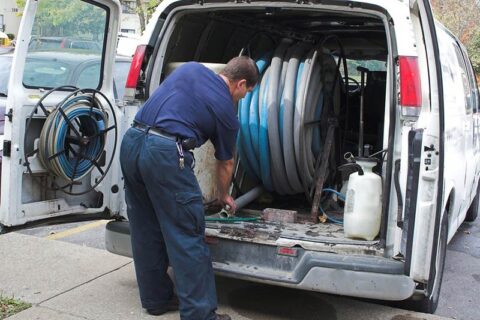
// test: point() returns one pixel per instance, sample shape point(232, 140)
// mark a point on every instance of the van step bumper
point(358, 276)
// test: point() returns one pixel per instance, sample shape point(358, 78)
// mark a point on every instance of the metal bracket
point(9, 115)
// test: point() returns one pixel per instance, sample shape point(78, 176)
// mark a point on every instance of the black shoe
point(172, 305)
point(222, 317)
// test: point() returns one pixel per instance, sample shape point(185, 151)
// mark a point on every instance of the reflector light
point(136, 67)
point(211, 240)
point(285, 251)
point(410, 88)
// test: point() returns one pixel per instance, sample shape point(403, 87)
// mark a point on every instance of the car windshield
point(5, 64)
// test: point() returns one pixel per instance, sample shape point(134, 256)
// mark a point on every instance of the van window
point(65, 35)
point(468, 92)
point(371, 65)
point(473, 82)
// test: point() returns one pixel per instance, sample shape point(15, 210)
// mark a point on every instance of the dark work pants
point(167, 226)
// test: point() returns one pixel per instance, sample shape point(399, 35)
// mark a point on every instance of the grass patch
point(10, 306)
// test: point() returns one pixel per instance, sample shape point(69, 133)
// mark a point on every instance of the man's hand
point(224, 175)
point(229, 204)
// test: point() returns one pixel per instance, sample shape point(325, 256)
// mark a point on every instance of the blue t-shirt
point(194, 102)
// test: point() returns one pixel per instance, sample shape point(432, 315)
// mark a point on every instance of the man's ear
point(242, 82)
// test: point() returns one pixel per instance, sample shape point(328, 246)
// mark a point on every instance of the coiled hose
point(73, 138)
point(278, 144)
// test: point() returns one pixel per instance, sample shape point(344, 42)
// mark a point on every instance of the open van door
point(61, 145)
point(426, 222)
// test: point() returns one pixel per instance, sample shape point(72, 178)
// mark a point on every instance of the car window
point(5, 64)
point(45, 73)
point(86, 75)
point(38, 44)
point(66, 34)
point(85, 45)
point(120, 77)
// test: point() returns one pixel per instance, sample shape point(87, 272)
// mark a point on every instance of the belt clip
point(181, 157)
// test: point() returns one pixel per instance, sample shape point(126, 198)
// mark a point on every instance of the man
point(164, 201)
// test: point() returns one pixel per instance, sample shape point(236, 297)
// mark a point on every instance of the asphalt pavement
point(65, 280)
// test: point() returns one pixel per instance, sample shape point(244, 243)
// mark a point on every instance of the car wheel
point(472, 212)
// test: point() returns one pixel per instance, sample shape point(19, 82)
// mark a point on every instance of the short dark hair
point(240, 68)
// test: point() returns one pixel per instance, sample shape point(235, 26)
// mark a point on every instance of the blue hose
point(75, 119)
point(247, 153)
point(341, 197)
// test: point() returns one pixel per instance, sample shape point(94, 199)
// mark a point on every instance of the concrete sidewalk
point(72, 282)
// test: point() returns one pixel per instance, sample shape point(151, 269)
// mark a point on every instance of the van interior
point(319, 105)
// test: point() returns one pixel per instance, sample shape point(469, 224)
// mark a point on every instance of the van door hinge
point(7, 148)
point(9, 115)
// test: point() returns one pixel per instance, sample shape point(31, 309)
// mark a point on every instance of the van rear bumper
point(358, 276)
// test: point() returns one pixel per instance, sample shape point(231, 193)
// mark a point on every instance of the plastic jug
point(363, 203)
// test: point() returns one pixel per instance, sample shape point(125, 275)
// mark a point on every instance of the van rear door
point(60, 150)
point(425, 249)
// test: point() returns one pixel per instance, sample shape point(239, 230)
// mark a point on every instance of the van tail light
point(134, 73)
point(410, 86)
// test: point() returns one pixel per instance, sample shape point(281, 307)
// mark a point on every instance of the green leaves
point(66, 18)
point(461, 18)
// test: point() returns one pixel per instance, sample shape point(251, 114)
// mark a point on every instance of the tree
point(461, 18)
point(475, 53)
point(141, 14)
point(144, 10)
point(54, 18)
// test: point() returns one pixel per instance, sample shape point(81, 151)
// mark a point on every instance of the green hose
point(231, 219)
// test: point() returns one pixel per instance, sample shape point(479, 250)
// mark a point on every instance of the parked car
point(49, 70)
point(416, 118)
point(46, 43)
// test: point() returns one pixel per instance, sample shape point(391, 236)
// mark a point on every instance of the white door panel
point(62, 42)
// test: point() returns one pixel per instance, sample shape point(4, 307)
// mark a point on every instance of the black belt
point(155, 131)
point(187, 143)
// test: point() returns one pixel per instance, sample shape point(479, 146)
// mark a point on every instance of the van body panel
point(344, 274)
point(27, 199)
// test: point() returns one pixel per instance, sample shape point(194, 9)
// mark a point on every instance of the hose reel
point(73, 139)
point(280, 141)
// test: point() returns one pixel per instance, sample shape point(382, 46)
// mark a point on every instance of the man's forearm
point(224, 170)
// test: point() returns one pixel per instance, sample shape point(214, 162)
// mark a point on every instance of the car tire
point(472, 212)
point(428, 302)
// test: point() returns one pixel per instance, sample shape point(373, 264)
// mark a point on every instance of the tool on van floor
point(363, 71)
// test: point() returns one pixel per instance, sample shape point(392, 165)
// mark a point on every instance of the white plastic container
point(363, 203)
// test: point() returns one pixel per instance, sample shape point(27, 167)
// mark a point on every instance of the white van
point(416, 113)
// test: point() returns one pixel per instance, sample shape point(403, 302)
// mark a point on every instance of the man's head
point(241, 75)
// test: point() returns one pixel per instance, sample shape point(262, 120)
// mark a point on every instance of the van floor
point(325, 237)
